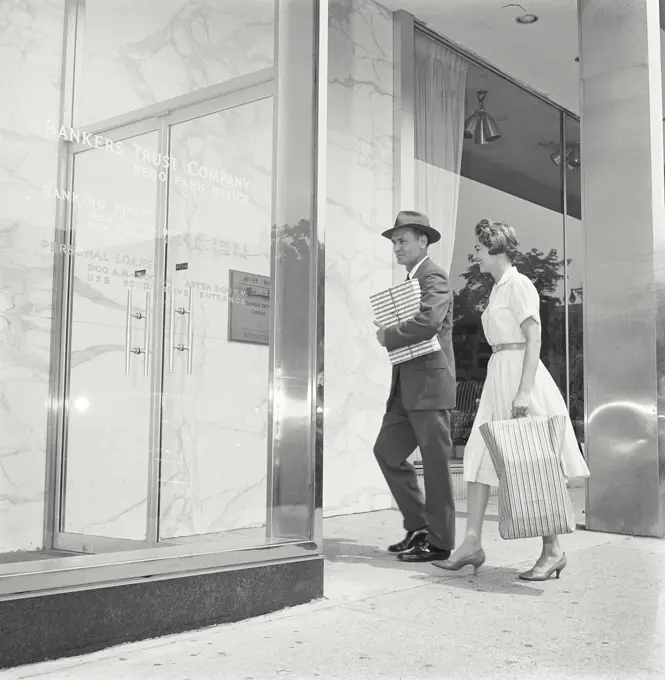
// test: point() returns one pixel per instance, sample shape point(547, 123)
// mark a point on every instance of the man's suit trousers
point(401, 431)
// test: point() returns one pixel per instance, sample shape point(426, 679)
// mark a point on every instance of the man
point(421, 396)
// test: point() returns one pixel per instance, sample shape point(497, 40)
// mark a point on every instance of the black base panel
point(50, 626)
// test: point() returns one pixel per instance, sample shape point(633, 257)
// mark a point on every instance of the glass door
point(165, 436)
point(105, 481)
point(213, 478)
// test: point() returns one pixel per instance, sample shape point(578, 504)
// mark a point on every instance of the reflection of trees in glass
point(544, 270)
point(576, 353)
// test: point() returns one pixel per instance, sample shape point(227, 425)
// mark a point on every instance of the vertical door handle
point(172, 331)
point(146, 335)
point(129, 350)
point(190, 331)
point(128, 332)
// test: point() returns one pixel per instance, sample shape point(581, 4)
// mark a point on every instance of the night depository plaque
point(249, 307)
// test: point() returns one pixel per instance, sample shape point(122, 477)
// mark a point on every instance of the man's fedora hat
point(415, 220)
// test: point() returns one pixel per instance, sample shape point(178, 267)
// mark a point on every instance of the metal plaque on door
point(249, 307)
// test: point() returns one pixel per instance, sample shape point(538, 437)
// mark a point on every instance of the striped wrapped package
point(398, 304)
point(533, 498)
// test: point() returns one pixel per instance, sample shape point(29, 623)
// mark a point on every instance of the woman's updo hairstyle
point(497, 237)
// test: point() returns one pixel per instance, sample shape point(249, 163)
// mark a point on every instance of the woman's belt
point(507, 346)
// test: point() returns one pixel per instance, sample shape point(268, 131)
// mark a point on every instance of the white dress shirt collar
point(412, 273)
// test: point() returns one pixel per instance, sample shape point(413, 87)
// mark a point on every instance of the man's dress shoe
point(411, 539)
point(423, 552)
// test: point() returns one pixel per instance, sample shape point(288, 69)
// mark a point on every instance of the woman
point(517, 384)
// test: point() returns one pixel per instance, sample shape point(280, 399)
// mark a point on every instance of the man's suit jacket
point(427, 382)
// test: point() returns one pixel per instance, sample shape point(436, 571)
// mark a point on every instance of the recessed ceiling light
point(526, 18)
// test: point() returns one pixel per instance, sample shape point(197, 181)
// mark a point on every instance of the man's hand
point(380, 334)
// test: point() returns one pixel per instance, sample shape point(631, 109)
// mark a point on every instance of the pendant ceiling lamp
point(480, 126)
point(573, 158)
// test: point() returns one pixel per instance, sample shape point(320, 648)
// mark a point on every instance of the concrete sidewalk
point(386, 620)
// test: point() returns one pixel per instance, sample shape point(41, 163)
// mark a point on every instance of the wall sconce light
point(480, 126)
point(573, 157)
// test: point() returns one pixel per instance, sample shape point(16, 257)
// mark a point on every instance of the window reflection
point(512, 179)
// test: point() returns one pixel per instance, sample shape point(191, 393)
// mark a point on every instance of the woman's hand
point(521, 405)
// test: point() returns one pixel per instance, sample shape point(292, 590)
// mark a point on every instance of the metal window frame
point(566, 289)
point(299, 425)
point(54, 433)
point(318, 274)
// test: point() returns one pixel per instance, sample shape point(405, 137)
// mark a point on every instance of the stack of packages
point(398, 304)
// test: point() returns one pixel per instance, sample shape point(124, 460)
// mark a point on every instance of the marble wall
point(358, 259)
point(30, 45)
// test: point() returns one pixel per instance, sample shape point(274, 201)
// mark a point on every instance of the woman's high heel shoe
point(476, 559)
point(536, 574)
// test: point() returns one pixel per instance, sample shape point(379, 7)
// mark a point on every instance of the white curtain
point(440, 89)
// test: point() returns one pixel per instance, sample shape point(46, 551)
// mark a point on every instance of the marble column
point(624, 288)
point(358, 259)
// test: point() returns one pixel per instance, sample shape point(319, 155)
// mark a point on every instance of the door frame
point(160, 117)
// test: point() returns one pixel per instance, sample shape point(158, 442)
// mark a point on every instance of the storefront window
point(504, 171)
point(156, 374)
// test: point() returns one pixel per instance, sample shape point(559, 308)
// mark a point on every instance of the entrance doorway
point(162, 433)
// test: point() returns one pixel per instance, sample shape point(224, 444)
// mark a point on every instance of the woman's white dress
point(513, 300)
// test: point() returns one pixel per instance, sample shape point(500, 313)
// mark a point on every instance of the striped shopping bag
point(533, 498)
